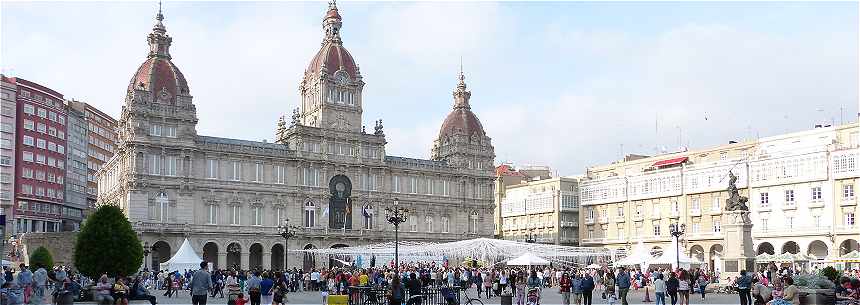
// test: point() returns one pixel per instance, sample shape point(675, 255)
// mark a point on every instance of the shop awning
point(672, 161)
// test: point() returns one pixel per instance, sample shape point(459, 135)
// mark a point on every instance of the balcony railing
point(695, 212)
point(589, 221)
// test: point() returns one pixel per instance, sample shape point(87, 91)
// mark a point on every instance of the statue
point(735, 202)
point(377, 130)
point(296, 115)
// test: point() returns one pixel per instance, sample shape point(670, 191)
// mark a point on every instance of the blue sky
point(563, 84)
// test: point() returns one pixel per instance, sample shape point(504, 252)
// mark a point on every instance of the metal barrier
point(375, 295)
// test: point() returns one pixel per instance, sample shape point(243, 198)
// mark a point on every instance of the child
point(324, 294)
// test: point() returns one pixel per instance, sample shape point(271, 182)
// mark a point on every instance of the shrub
point(813, 281)
point(830, 273)
point(107, 244)
point(41, 258)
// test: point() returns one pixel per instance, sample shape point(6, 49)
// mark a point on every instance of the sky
point(563, 84)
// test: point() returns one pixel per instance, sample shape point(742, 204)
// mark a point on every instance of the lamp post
point(396, 215)
point(287, 231)
point(146, 253)
point(676, 231)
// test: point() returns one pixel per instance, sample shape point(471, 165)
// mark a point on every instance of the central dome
point(333, 57)
point(461, 121)
point(158, 74)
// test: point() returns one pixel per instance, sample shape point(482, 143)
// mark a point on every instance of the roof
point(507, 170)
point(333, 56)
point(415, 161)
point(461, 121)
point(218, 140)
point(672, 161)
point(158, 74)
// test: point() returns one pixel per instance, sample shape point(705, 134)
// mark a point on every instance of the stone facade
point(324, 173)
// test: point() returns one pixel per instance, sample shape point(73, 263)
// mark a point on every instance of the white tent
point(528, 259)
point(640, 256)
point(671, 256)
point(185, 258)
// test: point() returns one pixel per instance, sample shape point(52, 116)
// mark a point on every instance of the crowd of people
point(39, 286)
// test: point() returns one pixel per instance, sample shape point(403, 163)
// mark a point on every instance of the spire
point(461, 96)
point(332, 23)
point(159, 41)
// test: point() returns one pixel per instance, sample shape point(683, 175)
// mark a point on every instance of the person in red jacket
point(564, 287)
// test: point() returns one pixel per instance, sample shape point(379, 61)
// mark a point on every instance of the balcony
point(604, 219)
point(789, 206)
point(589, 221)
point(569, 224)
point(619, 219)
point(696, 212)
point(850, 201)
point(675, 214)
point(816, 203)
point(794, 231)
point(848, 229)
point(637, 217)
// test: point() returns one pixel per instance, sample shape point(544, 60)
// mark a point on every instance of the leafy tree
point(830, 273)
point(107, 244)
point(41, 258)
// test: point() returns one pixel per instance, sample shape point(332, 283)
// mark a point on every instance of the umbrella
point(593, 266)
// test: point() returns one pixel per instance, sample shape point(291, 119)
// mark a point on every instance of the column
point(244, 259)
point(267, 260)
point(222, 260)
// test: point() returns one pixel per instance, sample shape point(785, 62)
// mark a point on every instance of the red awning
point(672, 161)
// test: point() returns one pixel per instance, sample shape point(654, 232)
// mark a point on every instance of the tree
point(41, 258)
point(107, 244)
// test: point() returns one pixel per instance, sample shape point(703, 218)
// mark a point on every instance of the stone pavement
point(550, 297)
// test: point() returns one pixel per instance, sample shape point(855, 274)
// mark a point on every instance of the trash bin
point(507, 299)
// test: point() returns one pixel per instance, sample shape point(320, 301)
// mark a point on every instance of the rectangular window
point(413, 223)
point(42, 112)
point(155, 164)
point(61, 135)
point(789, 197)
point(41, 143)
point(258, 172)
point(310, 216)
point(40, 159)
point(816, 220)
point(281, 174)
point(620, 211)
point(715, 204)
point(656, 211)
point(764, 202)
point(52, 116)
point(849, 219)
point(26, 173)
point(212, 169)
point(444, 224)
point(40, 127)
point(52, 146)
point(61, 149)
point(236, 174)
point(28, 140)
point(40, 175)
point(789, 222)
point(29, 109)
point(155, 130)
point(413, 185)
point(311, 176)
point(235, 215)
point(29, 124)
point(258, 216)
point(717, 227)
point(28, 156)
point(763, 222)
point(848, 191)
point(372, 182)
point(395, 184)
point(816, 193)
point(170, 165)
point(656, 230)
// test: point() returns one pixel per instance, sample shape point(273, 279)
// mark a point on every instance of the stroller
point(533, 296)
point(450, 295)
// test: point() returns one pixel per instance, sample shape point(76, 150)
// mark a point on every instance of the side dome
point(158, 75)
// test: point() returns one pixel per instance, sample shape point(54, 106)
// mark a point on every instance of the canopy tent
point(185, 258)
point(640, 256)
point(764, 258)
point(672, 257)
point(783, 258)
point(593, 266)
point(528, 259)
point(481, 249)
point(850, 257)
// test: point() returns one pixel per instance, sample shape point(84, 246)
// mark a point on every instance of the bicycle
point(451, 299)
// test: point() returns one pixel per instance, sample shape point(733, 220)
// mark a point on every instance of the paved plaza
point(550, 297)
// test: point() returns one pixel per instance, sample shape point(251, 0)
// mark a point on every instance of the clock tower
point(332, 84)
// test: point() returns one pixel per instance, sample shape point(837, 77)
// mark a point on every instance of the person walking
point(659, 290)
point(622, 280)
point(253, 285)
point(744, 282)
point(520, 287)
point(564, 287)
point(672, 287)
point(702, 282)
point(25, 281)
point(40, 280)
point(684, 288)
point(609, 287)
point(200, 284)
point(396, 292)
point(587, 289)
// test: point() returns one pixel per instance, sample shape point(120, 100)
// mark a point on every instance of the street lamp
point(287, 231)
point(396, 215)
point(676, 231)
point(146, 253)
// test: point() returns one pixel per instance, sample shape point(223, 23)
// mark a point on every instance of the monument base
point(732, 266)
point(738, 245)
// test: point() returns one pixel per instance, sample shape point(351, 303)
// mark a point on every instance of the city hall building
point(324, 172)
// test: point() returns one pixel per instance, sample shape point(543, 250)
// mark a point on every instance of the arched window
point(310, 214)
point(473, 222)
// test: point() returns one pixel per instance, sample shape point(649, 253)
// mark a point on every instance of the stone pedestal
point(738, 253)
